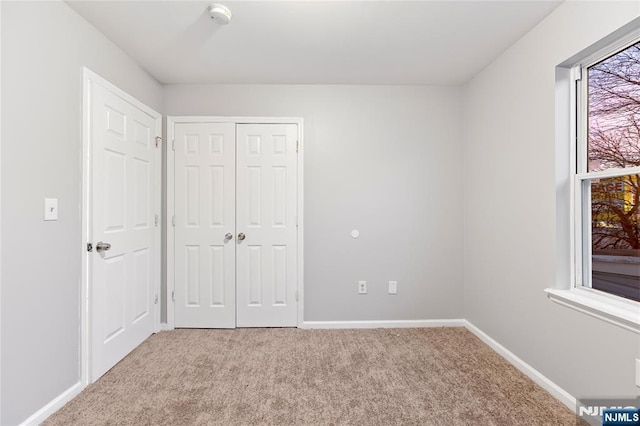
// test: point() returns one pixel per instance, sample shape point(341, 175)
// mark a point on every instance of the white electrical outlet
point(637, 372)
point(362, 287)
point(393, 287)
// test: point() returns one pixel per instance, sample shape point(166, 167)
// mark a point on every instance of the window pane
point(614, 111)
point(615, 235)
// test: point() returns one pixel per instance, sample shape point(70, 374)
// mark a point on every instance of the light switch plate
point(393, 287)
point(50, 209)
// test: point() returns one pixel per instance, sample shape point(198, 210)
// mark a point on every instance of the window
point(598, 181)
point(607, 179)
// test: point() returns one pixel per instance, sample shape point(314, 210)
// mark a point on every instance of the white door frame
point(89, 77)
point(170, 267)
point(0, 220)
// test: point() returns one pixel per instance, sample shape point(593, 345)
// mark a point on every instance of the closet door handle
point(241, 236)
point(228, 236)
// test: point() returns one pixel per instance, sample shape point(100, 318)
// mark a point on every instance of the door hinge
point(155, 301)
point(158, 141)
point(296, 221)
point(173, 145)
point(89, 247)
point(297, 295)
point(173, 295)
point(157, 220)
point(173, 221)
point(297, 146)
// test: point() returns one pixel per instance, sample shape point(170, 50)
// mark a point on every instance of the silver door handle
point(228, 236)
point(241, 237)
point(100, 247)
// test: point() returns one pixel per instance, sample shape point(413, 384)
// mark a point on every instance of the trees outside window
point(612, 175)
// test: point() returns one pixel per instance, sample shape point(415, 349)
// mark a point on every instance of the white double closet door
point(235, 225)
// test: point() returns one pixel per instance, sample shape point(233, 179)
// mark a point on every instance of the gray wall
point(388, 161)
point(383, 160)
point(510, 211)
point(44, 47)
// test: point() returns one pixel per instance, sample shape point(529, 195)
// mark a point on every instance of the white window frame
point(579, 295)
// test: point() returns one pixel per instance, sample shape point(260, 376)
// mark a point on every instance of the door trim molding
point(89, 78)
point(170, 161)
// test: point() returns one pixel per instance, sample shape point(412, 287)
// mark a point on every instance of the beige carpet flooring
point(427, 376)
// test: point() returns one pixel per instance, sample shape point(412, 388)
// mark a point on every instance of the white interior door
point(235, 225)
point(205, 225)
point(266, 214)
point(124, 263)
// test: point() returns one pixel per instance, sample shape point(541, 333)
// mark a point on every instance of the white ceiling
point(315, 42)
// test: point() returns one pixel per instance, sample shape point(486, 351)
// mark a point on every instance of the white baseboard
point(385, 324)
point(560, 394)
point(555, 390)
point(53, 406)
point(165, 327)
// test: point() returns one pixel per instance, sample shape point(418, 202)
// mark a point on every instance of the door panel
point(123, 163)
point(266, 214)
point(204, 215)
point(233, 179)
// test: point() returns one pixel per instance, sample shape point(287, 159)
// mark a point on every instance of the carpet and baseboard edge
point(54, 405)
point(383, 324)
point(537, 377)
point(541, 380)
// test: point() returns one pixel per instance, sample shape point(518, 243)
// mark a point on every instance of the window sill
point(615, 310)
